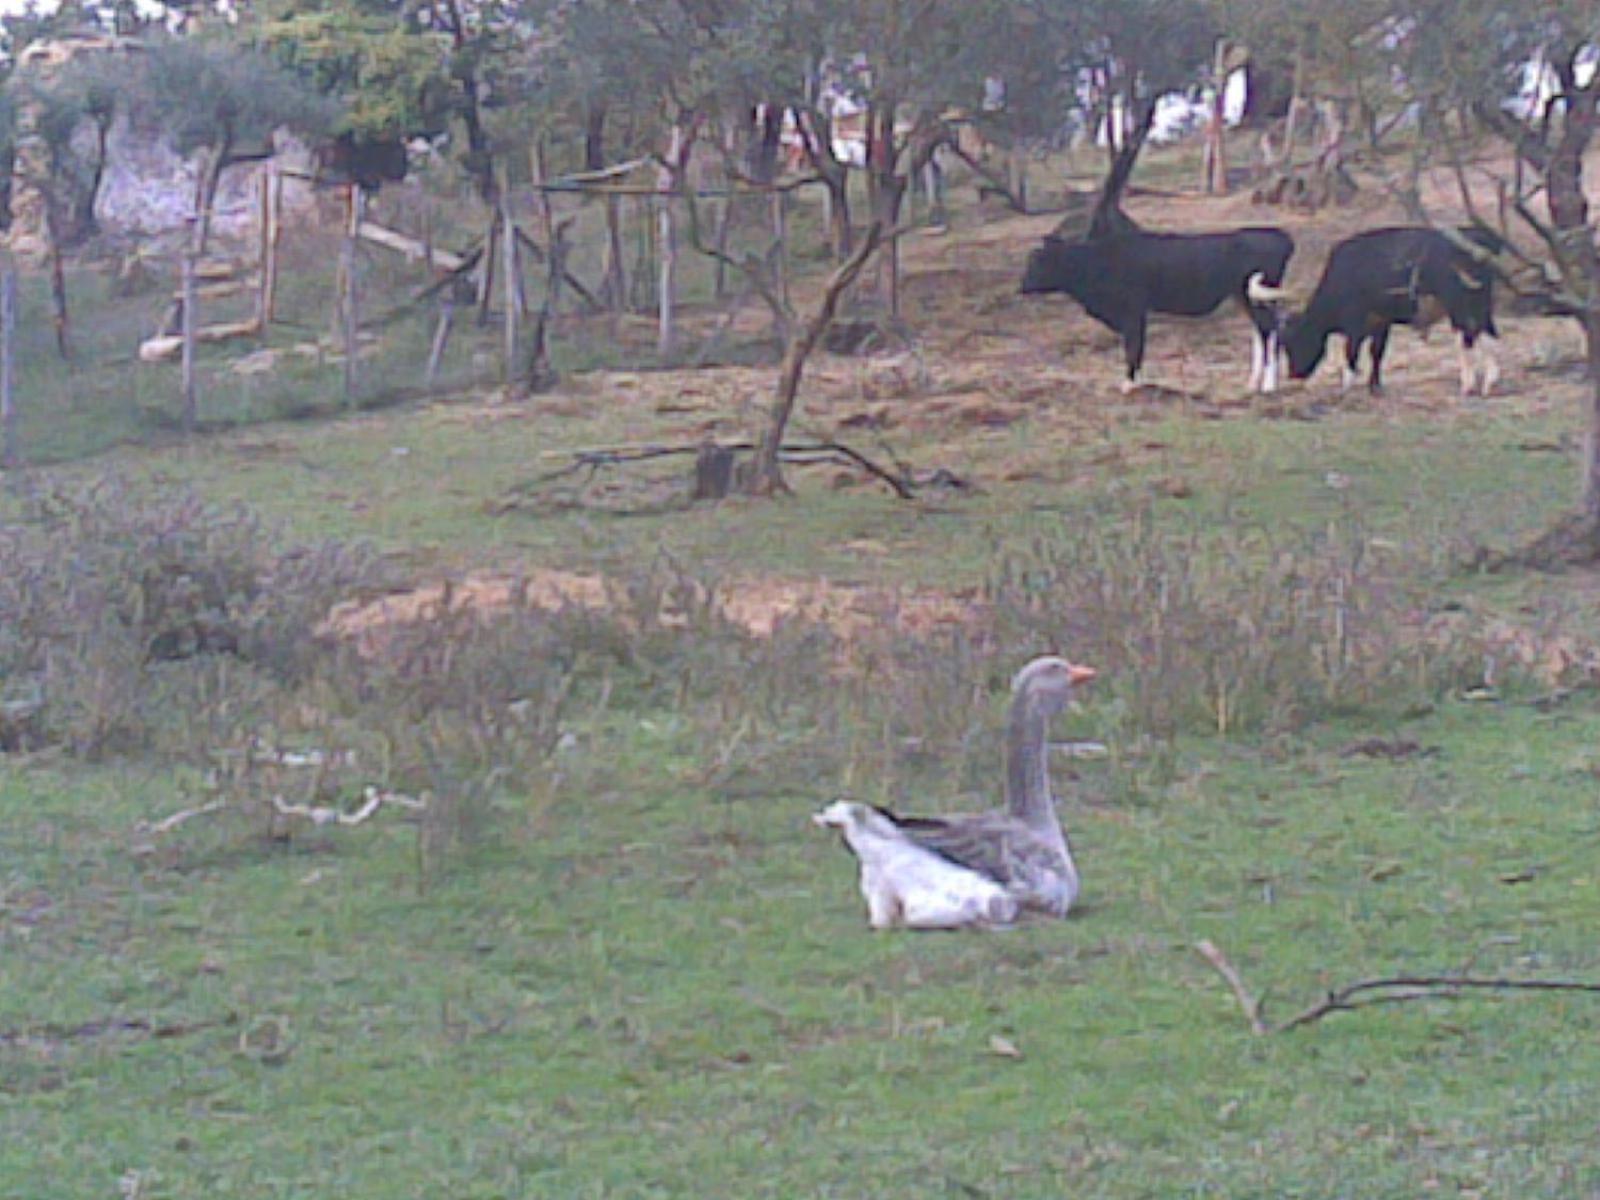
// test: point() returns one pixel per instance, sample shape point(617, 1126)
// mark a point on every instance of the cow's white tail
point(1259, 291)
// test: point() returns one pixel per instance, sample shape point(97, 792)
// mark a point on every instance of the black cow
point(1404, 275)
point(1120, 280)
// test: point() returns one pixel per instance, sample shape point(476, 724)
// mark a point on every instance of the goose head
point(1046, 684)
point(860, 825)
point(841, 814)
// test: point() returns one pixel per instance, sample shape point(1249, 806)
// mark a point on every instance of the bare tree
point(1524, 74)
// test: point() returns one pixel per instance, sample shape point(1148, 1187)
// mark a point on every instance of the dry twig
point(323, 815)
point(801, 453)
point(1252, 1007)
point(168, 824)
point(1365, 993)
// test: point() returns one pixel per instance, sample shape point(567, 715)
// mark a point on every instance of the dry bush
point(109, 588)
point(1225, 630)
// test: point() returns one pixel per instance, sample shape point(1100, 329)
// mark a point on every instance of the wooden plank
point(412, 248)
point(166, 345)
point(215, 291)
point(216, 270)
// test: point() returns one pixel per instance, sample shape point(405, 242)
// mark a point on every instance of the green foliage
point(107, 586)
point(390, 76)
point(215, 95)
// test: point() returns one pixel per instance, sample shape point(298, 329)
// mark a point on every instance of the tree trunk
point(765, 142)
point(673, 178)
point(615, 286)
point(765, 476)
point(84, 223)
point(1214, 161)
point(1267, 91)
point(835, 177)
point(58, 273)
point(206, 199)
point(1569, 214)
point(10, 448)
point(614, 283)
point(1017, 176)
point(1591, 456)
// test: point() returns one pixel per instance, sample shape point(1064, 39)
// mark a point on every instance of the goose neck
point(1027, 768)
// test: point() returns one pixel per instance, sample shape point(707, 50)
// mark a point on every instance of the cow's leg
point(1479, 370)
point(1380, 343)
point(1263, 350)
point(1352, 353)
point(1491, 368)
point(1466, 368)
point(1133, 350)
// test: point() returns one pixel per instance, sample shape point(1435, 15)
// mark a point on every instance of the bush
point(1226, 630)
point(107, 586)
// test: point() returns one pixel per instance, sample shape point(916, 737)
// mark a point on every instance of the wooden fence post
point(190, 401)
point(351, 313)
point(508, 269)
point(441, 336)
point(11, 454)
point(267, 281)
point(667, 260)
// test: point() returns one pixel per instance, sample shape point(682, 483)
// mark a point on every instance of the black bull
point(1122, 279)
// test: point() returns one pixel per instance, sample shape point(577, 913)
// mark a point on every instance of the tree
point(1138, 51)
point(224, 101)
point(46, 108)
point(1476, 56)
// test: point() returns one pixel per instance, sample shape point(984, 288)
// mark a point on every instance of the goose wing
point(992, 844)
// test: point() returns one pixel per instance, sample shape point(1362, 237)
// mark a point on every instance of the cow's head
point(1303, 343)
point(1053, 267)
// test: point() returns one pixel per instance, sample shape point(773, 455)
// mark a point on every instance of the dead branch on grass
point(1250, 1004)
point(375, 799)
point(904, 482)
point(1367, 993)
point(182, 816)
point(58, 1034)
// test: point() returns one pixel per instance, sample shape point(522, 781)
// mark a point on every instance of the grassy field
point(630, 967)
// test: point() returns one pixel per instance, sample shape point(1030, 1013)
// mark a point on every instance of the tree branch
point(1251, 1006)
point(800, 453)
point(319, 815)
point(1391, 989)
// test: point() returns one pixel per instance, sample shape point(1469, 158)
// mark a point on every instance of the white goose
point(984, 869)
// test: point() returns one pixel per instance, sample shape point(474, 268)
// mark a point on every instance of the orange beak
point(1077, 674)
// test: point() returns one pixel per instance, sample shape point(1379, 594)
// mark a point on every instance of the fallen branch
point(88, 1029)
point(801, 454)
point(168, 824)
point(321, 815)
point(1421, 987)
point(1365, 993)
point(1252, 1007)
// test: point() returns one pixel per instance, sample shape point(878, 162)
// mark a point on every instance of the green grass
point(640, 984)
point(643, 995)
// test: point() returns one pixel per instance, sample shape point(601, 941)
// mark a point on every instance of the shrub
point(1222, 630)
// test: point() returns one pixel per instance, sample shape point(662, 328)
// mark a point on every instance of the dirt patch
point(758, 606)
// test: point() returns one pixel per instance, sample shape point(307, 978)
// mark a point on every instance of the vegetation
point(386, 812)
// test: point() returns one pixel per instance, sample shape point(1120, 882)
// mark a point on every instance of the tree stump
point(713, 474)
